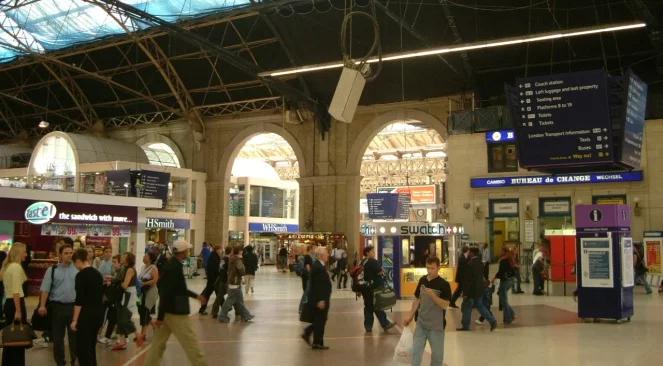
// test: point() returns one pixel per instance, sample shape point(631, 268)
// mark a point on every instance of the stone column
point(216, 215)
point(331, 203)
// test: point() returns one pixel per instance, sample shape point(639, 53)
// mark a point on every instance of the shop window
point(272, 202)
point(502, 158)
point(54, 166)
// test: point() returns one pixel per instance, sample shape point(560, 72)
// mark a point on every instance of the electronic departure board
point(562, 120)
point(388, 206)
point(634, 120)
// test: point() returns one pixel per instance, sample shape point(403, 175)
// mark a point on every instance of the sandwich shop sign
point(40, 212)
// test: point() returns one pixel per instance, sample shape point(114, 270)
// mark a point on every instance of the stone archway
point(224, 169)
point(370, 130)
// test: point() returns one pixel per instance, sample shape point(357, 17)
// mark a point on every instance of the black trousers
point(89, 323)
point(209, 289)
point(61, 316)
point(14, 356)
point(486, 268)
point(318, 325)
point(111, 318)
point(456, 294)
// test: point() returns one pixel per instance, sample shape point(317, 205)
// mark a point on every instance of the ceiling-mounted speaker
point(347, 95)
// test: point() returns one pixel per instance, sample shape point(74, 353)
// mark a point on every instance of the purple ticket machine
point(605, 262)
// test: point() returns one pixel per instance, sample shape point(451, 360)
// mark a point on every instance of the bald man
point(321, 288)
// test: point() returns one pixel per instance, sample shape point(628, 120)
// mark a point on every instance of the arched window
point(54, 158)
point(161, 154)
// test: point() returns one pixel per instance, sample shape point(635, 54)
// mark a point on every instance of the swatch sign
point(40, 212)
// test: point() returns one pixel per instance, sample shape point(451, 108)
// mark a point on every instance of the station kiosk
point(605, 262)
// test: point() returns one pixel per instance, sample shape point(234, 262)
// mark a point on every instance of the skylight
point(47, 25)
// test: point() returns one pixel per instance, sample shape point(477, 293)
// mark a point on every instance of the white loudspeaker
point(347, 95)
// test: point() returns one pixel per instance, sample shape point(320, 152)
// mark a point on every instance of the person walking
point(319, 300)
point(149, 294)
point(505, 274)
point(283, 258)
point(307, 263)
point(433, 295)
point(462, 262)
point(205, 253)
point(212, 269)
point(235, 297)
point(250, 260)
point(127, 304)
point(373, 275)
point(173, 314)
point(485, 259)
point(60, 295)
point(13, 277)
point(473, 291)
point(88, 308)
point(640, 271)
point(221, 283)
point(113, 292)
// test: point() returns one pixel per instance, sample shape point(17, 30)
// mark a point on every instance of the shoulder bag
point(16, 335)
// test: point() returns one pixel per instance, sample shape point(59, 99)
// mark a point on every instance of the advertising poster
point(653, 254)
point(628, 278)
point(596, 261)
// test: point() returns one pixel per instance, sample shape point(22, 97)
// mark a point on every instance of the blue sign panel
point(634, 123)
point(495, 137)
point(562, 120)
point(551, 180)
point(272, 228)
point(388, 206)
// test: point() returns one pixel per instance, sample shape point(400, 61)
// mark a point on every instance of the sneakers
point(104, 340)
point(478, 322)
point(493, 325)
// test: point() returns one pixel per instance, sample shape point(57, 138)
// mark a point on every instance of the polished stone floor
point(546, 332)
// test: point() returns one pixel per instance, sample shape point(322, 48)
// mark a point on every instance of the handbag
point(384, 298)
point(17, 335)
point(124, 323)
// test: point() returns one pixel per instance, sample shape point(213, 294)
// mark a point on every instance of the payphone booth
point(605, 262)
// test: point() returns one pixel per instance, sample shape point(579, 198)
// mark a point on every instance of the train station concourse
point(327, 182)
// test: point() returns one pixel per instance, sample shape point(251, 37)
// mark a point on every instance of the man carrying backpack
point(373, 277)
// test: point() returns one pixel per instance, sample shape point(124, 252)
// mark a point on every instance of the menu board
point(388, 206)
point(154, 185)
point(562, 120)
point(634, 120)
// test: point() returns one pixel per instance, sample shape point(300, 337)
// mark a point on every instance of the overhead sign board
point(388, 206)
point(634, 120)
point(562, 120)
point(496, 137)
point(551, 180)
point(419, 195)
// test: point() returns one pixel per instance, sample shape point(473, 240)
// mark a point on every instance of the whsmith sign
point(162, 223)
point(272, 228)
point(550, 180)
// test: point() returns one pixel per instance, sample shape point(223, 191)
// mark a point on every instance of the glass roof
point(161, 154)
point(47, 25)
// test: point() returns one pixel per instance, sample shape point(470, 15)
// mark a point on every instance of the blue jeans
point(235, 299)
point(436, 340)
point(503, 293)
point(471, 303)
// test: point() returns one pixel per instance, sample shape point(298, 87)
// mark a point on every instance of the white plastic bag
point(403, 351)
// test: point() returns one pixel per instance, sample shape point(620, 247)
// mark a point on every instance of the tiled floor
point(546, 332)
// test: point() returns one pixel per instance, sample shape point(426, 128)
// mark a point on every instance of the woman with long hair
point(148, 277)
point(127, 301)
point(13, 277)
point(505, 274)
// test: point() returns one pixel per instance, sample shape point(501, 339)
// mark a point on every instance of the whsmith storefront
point(166, 230)
point(40, 222)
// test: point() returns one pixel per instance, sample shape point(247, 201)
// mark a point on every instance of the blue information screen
point(562, 120)
point(634, 123)
point(388, 206)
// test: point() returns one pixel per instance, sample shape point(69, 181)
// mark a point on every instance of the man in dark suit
point(462, 263)
point(473, 284)
point(321, 288)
